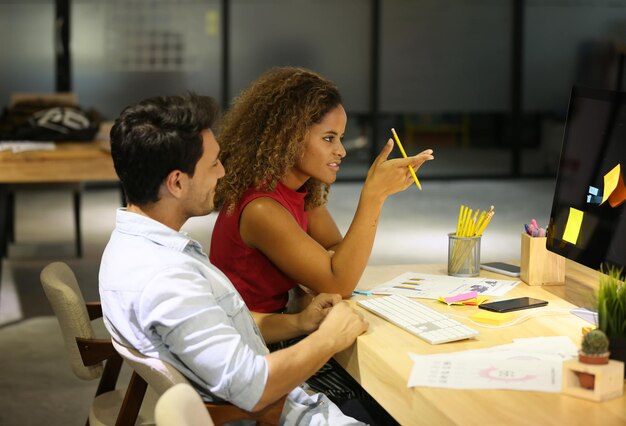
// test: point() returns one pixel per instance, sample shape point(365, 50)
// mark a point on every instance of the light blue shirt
point(161, 295)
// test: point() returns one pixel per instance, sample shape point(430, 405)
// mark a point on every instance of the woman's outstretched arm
point(267, 226)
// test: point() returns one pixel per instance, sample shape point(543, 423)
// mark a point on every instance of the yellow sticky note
point(494, 318)
point(476, 301)
point(618, 196)
point(611, 179)
point(572, 228)
point(443, 300)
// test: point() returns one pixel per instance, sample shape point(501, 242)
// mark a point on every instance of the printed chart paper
point(533, 364)
point(427, 286)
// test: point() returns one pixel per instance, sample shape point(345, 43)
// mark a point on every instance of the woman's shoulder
point(260, 196)
point(262, 207)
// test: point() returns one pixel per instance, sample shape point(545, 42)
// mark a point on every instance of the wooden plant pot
point(587, 380)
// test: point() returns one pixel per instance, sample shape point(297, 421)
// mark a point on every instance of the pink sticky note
point(462, 296)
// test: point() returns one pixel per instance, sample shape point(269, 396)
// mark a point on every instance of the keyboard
point(422, 321)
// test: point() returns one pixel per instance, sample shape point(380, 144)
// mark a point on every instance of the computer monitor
point(587, 222)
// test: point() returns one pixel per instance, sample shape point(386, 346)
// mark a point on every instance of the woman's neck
point(294, 180)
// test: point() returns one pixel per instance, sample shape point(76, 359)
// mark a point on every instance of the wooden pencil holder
point(538, 266)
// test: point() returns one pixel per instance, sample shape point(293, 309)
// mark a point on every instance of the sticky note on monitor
point(572, 228)
point(614, 189)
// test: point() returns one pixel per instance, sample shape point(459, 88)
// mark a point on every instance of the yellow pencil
point(481, 218)
point(463, 216)
point(465, 231)
point(486, 221)
point(473, 227)
point(458, 222)
point(395, 136)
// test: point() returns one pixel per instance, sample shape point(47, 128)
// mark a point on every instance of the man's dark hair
point(154, 137)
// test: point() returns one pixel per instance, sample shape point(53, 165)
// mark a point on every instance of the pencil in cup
point(464, 244)
point(395, 136)
point(463, 255)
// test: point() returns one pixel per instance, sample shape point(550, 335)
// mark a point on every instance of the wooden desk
point(379, 361)
point(71, 162)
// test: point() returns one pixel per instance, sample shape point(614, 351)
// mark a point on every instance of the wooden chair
point(181, 405)
point(94, 358)
point(161, 376)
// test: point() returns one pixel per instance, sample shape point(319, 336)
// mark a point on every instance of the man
point(161, 295)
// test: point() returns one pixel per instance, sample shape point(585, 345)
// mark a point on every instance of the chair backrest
point(181, 405)
point(159, 374)
point(62, 290)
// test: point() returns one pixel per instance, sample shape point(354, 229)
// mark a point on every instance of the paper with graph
point(533, 364)
point(427, 286)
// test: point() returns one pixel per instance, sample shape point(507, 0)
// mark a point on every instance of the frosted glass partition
point(445, 56)
point(124, 51)
point(331, 37)
point(567, 43)
point(27, 49)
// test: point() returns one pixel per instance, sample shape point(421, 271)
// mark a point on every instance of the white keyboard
point(427, 324)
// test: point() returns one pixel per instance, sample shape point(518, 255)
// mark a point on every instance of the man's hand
point(343, 325)
point(288, 367)
point(311, 317)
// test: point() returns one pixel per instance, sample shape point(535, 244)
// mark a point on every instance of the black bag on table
point(42, 121)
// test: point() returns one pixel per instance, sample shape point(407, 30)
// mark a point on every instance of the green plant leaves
point(611, 302)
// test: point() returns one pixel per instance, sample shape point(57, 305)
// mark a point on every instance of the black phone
point(501, 268)
point(513, 304)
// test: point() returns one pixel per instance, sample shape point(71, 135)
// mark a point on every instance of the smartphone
point(501, 268)
point(513, 304)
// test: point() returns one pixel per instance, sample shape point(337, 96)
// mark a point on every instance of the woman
point(281, 147)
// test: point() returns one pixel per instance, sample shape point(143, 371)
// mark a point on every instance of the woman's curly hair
point(262, 135)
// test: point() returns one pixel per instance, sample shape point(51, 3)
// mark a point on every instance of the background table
point(71, 162)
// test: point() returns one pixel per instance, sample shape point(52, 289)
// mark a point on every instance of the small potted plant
point(594, 350)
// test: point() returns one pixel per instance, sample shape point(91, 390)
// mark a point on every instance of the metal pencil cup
point(463, 256)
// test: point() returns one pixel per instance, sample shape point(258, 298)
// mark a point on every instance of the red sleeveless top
point(261, 284)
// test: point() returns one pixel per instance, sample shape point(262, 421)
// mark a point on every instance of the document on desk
point(22, 146)
point(533, 364)
point(427, 286)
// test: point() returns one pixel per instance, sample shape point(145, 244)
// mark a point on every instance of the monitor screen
point(587, 222)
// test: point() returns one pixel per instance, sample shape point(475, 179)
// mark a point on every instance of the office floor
point(36, 384)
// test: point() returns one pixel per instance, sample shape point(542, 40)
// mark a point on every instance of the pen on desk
point(395, 136)
point(362, 292)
